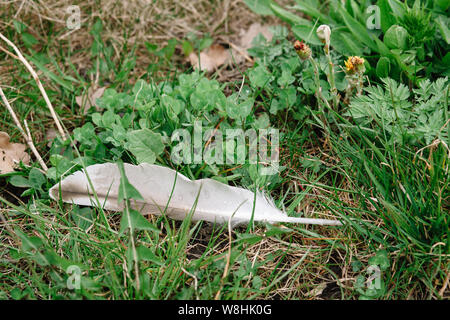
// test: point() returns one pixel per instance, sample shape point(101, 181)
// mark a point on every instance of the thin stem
point(27, 137)
point(319, 95)
point(330, 76)
point(41, 88)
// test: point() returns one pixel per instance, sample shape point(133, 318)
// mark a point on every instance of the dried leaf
point(210, 59)
point(317, 290)
point(163, 190)
point(248, 36)
point(50, 136)
point(88, 100)
point(240, 50)
point(11, 154)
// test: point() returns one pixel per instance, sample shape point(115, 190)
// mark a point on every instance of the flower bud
point(302, 49)
point(324, 33)
point(354, 65)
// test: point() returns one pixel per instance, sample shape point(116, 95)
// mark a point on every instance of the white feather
point(216, 202)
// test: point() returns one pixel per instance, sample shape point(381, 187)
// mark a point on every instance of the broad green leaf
point(19, 181)
point(387, 19)
point(442, 25)
point(398, 8)
point(137, 222)
point(83, 217)
point(259, 76)
point(29, 243)
point(380, 259)
point(36, 178)
point(261, 7)
point(126, 189)
point(343, 43)
point(396, 38)
point(307, 34)
point(145, 145)
point(312, 11)
point(288, 16)
point(383, 67)
point(174, 104)
point(146, 254)
point(358, 30)
point(28, 39)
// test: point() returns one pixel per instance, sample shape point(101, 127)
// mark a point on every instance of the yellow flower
point(355, 64)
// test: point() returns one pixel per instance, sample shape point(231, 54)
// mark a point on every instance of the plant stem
point(319, 95)
point(26, 136)
point(330, 77)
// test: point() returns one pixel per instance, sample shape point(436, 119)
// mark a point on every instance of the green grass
point(394, 203)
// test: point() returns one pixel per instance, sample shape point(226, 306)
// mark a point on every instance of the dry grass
point(128, 23)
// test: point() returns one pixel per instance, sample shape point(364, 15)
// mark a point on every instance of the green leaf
point(237, 110)
point(306, 34)
point(262, 122)
point(343, 43)
point(288, 16)
point(145, 145)
point(19, 181)
point(36, 178)
point(174, 104)
point(442, 25)
point(108, 118)
point(19, 26)
point(126, 189)
point(387, 18)
point(313, 12)
point(83, 217)
point(398, 8)
point(383, 67)
point(205, 43)
point(49, 74)
point(259, 76)
point(248, 238)
point(136, 222)
point(358, 30)
point(443, 4)
point(187, 47)
point(396, 38)
point(169, 49)
point(28, 39)
point(273, 231)
point(380, 259)
point(151, 47)
point(146, 254)
point(29, 243)
point(261, 7)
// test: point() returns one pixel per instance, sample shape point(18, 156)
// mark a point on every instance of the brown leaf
point(88, 100)
point(11, 154)
point(50, 136)
point(248, 36)
point(239, 51)
point(317, 290)
point(210, 59)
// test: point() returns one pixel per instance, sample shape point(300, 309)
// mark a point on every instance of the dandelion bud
point(302, 49)
point(324, 33)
